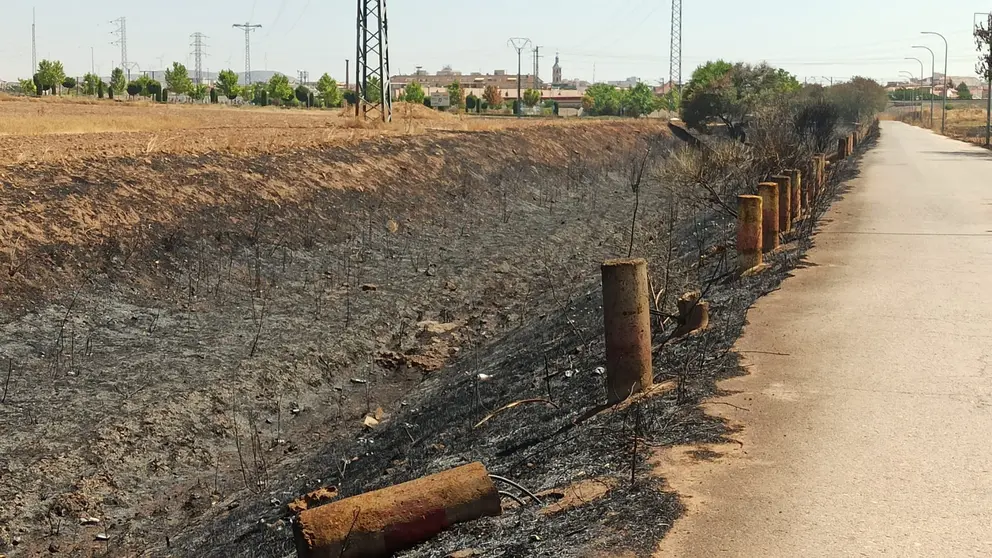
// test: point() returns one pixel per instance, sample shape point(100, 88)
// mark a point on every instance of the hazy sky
point(620, 38)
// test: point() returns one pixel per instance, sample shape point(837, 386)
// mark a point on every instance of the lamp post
point(933, 62)
point(912, 90)
point(921, 83)
point(943, 106)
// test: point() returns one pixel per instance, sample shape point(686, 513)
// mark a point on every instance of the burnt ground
point(186, 405)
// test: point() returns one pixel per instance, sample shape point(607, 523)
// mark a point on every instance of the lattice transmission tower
point(121, 33)
point(34, 44)
point(373, 62)
point(675, 65)
point(248, 28)
point(198, 44)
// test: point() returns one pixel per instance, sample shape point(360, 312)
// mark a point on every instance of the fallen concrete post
point(796, 197)
point(769, 215)
point(694, 313)
point(748, 232)
point(784, 202)
point(627, 323)
point(383, 522)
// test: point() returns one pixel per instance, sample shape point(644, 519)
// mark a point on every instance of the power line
point(519, 44)
point(198, 54)
point(372, 62)
point(248, 28)
point(121, 33)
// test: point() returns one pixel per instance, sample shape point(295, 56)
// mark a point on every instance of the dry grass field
point(965, 124)
point(63, 129)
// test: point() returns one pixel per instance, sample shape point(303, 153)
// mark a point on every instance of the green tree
point(532, 97)
point(154, 89)
point(51, 74)
point(101, 89)
point(177, 79)
point(90, 84)
point(214, 96)
point(492, 96)
point(457, 94)
point(638, 101)
point(414, 93)
point(279, 88)
point(373, 90)
point(227, 82)
point(198, 92)
point(858, 98)
point(302, 94)
point(27, 86)
point(118, 83)
point(330, 93)
point(145, 82)
point(963, 91)
point(69, 83)
point(721, 92)
point(471, 102)
point(133, 88)
point(602, 100)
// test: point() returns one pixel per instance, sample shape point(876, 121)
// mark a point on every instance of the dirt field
point(90, 128)
point(181, 328)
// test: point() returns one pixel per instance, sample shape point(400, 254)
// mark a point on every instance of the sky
point(602, 40)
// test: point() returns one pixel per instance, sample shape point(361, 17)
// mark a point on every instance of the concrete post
point(810, 185)
point(769, 215)
point(841, 149)
point(798, 203)
point(784, 203)
point(383, 522)
point(748, 232)
point(627, 321)
point(850, 144)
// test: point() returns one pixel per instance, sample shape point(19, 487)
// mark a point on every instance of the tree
point(330, 93)
point(133, 88)
point(279, 88)
point(373, 90)
point(90, 84)
point(177, 79)
point(532, 97)
point(154, 89)
point(198, 92)
point(303, 94)
point(457, 94)
point(214, 98)
point(227, 82)
point(100, 89)
point(39, 87)
point(118, 82)
point(492, 96)
point(721, 92)
point(414, 93)
point(69, 83)
point(471, 102)
point(27, 86)
point(963, 91)
point(51, 74)
point(351, 97)
point(638, 101)
point(858, 98)
point(602, 100)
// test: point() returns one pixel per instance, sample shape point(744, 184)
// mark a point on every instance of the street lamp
point(933, 62)
point(910, 89)
point(921, 83)
point(943, 106)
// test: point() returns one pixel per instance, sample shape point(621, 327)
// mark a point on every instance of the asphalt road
point(867, 418)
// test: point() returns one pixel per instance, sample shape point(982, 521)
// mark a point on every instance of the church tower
point(556, 71)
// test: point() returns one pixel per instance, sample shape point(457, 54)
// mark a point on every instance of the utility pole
point(198, 54)
point(519, 43)
point(92, 61)
point(347, 74)
point(121, 41)
point(248, 28)
point(933, 78)
point(34, 45)
point(372, 61)
point(943, 106)
point(537, 67)
point(675, 54)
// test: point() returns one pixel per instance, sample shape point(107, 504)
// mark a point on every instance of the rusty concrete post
point(784, 202)
point(627, 321)
point(796, 197)
point(810, 185)
point(694, 314)
point(381, 523)
point(769, 215)
point(850, 144)
point(748, 232)
point(841, 149)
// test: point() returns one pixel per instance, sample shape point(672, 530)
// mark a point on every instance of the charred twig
point(511, 406)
